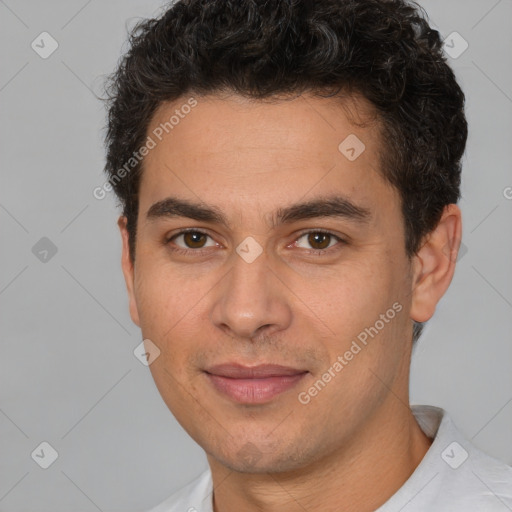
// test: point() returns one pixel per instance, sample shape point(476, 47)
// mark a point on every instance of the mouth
point(253, 384)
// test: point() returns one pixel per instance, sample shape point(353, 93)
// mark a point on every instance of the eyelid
point(184, 231)
point(318, 230)
point(340, 240)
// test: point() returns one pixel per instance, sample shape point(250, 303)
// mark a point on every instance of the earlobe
point(128, 270)
point(434, 264)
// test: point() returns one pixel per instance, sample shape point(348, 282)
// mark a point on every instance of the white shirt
point(453, 476)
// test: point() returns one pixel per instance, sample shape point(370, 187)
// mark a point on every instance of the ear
point(434, 264)
point(128, 269)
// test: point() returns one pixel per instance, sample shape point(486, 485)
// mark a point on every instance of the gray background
point(68, 375)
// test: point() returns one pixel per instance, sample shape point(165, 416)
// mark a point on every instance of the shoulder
point(477, 480)
point(194, 497)
point(484, 482)
point(454, 475)
point(464, 477)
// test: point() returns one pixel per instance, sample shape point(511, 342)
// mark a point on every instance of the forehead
point(234, 150)
point(286, 123)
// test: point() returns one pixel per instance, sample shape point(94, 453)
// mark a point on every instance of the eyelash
point(316, 252)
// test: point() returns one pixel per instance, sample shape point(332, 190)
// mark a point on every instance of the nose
point(251, 300)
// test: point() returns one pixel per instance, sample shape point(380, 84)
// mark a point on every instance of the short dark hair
point(384, 50)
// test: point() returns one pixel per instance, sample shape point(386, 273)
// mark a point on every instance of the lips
point(253, 384)
point(237, 371)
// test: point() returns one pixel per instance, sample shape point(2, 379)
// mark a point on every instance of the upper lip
point(238, 371)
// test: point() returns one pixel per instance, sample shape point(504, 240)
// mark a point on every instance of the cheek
point(365, 310)
point(165, 291)
point(364, 353)
point(168, 309)
point(352, 296)
point(163, 300)
point(173, 305)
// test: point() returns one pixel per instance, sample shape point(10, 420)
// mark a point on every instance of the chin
point(251, 459)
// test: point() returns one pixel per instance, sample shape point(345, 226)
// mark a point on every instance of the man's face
point(277, 300)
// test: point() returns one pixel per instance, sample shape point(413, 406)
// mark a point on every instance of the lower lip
point(254, 391)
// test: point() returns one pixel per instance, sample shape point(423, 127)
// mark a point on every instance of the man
point(289, 173)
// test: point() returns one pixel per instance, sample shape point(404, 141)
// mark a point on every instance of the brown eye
point(191, 240)
point(194, 239)
point(319, 240)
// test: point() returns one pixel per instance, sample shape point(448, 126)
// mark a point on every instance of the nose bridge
point(250, 296)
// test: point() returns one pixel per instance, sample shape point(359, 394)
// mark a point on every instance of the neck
point(360, 476)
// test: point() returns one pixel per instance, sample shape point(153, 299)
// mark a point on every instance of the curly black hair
point(384, 50)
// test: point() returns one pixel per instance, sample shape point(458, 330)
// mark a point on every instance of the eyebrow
point(333, 206)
